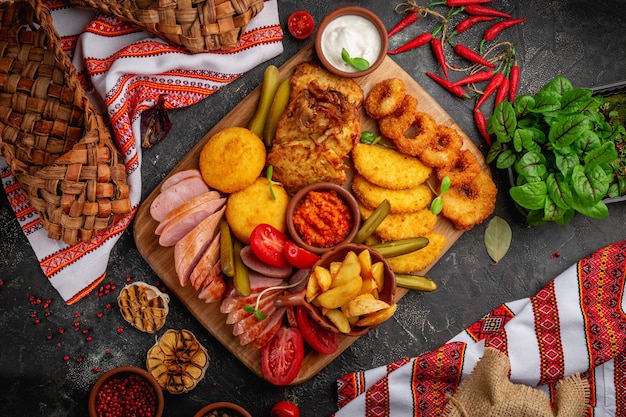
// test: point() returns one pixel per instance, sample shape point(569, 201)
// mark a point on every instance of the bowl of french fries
point(350, 290)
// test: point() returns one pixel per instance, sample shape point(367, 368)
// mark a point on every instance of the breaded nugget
point(420, 259)
point(403, 225)
point(232, 159)
point(389, 168)
point(307, 72)
point(254, 205)
point(402, 201)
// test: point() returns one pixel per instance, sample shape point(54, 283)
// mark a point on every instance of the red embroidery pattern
point(601, 279)
point(377, 399)
point(490, 323)
point(547, 329)
point(436, 374)
point(620, 385)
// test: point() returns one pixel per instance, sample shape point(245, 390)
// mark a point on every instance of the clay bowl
point(338, 254)
point(331, 57)
point(232, 409)
point(295, 201)
point(123, 373)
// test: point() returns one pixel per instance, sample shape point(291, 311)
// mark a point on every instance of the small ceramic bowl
point(297, 199)
point(338, 254)
point(359, 31)
point(125, 374)
point(232, 409)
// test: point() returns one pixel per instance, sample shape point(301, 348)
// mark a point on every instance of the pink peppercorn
point(125, 396)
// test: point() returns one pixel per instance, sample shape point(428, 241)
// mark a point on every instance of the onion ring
point(463, 170)
point(385, 98)
point(394, 125)
point(442, 149)
point(468, 205)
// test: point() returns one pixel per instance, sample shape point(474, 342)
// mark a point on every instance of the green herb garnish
point(258, 313)
point(359, 63)
point(370, 137)
point(437, 204)
point(563, 150)
point(268, 175)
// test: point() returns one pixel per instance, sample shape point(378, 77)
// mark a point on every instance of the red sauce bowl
point(123, 373)
point(347, 198)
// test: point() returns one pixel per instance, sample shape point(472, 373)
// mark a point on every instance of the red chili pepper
point(460, 3)
point(457, 90)
point(468, 22)
point(495, 29)
point(503, 92)
point(490, 89)
point(475, 78)
point(465, 52)
point(418, 41)
point(481, 125)
point(514, 75)
point(478, 10)
point(437, 48)
point(405, 22)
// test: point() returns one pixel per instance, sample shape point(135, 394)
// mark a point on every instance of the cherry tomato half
point(320, 339)
point(299, 257)
point(285, 408)
point(282, 357)
point(267, 243)
point(301, 24)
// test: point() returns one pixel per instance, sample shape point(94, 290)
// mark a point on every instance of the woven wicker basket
point(56, 144)
point(196, 25)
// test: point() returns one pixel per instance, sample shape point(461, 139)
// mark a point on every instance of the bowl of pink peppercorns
point(126, 391)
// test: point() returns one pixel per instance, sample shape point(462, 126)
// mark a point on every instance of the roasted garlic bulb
point(143, 306)
point(177, 361)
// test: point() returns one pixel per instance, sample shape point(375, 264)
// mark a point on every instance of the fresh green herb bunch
point(563, 150)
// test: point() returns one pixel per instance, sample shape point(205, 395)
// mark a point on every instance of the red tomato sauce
point(322, 219)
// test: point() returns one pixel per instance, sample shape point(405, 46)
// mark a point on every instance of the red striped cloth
point(126, 70)
point(575, 324)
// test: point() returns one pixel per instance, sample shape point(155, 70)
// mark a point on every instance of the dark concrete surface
point(581, 40)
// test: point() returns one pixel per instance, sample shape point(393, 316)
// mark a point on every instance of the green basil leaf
point(567, 130)
point(596, 211)
point(345, 55)
point(531, 196)
point(604, 153)
point(503, 121)
point(497, 238)
point(574, 101)
point(360, 63)
point(559, 190)
point(532, 164)
point(506, 159)
point(523, 104)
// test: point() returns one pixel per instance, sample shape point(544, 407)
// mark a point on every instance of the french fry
point(312, 288)
point(324, 278)
point(339, 320)
point(378, 317)
point(369, 286)
point(337, 296)
point(349, 269)
point(365, 259)
point(363, 305)
point(378, 272)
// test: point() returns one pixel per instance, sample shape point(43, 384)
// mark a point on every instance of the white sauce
point(358, 35)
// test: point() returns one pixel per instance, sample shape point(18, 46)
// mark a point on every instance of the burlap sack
point(488, 392)
point(58, 147)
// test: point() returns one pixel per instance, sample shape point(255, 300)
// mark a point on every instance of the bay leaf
point(497, 238)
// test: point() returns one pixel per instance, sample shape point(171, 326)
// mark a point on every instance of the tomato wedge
point(299, 257)
point(282, 357)
point(267, 243)
point(320, 339)
point(301, 24)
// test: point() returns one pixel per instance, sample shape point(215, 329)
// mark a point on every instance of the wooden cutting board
point(161, 259)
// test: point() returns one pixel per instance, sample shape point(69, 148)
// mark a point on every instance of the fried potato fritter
point(398, 226)
point(402, 201)
point(388, 167)
point(420, 259)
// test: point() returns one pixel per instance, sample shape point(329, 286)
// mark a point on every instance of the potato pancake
point(403, 225)
point(388, 167)
point(402, 201)
point(420, 259)
point(306, 73)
